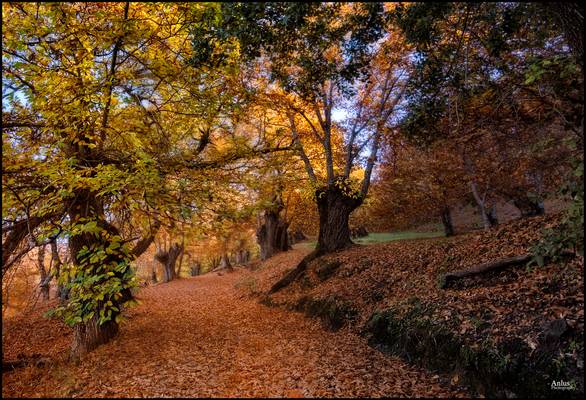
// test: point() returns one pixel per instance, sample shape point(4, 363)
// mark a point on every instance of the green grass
point(373, 238)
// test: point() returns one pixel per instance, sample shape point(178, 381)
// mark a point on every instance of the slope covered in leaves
point(201, 337)
point(516, 304)
point(518, 299)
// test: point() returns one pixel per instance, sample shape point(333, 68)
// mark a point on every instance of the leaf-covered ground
point(204, 336)
point(514, 302)
point(516, 305)
point(209, 336)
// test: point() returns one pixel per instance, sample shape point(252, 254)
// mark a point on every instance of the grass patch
point(383, 237)
point(392, 236)
point(248, 284)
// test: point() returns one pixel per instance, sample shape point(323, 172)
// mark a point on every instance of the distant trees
point(316, 53)
point(416, 184)
point(495, 80)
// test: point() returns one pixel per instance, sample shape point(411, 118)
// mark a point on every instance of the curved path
point(202, 337)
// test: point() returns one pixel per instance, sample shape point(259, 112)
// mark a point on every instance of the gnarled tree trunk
point(334, 209)
point(168, 259)
point(195, 269)
point(272, 235)
point(242, 257)
point(225, 262)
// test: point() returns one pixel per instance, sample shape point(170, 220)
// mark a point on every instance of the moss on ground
point(334, 313)
point(506, 369)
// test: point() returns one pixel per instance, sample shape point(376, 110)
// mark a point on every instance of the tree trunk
point(89, 335)
point(272, 235)
point(334, 209)
point(528, 207)
point(195, 268)
point(180, 260)
point(169, 259)
point(44, 281)
point(62, 290)
point(225, 262)
point(488, 216)
point(242, 257)
point(446, 217)
point(491, 215)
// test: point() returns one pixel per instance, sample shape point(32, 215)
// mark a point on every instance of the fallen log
point(497, 265)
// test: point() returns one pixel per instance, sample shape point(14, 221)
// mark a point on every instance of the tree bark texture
point(89, 335)
point(334, 209)
point(169, 259)
point(44, 281)
point(334, 231)
point(272, 236)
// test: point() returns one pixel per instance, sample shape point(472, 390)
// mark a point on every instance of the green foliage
point(98, 280)
point(349, 187)
point(569, 234)
point(295, 35)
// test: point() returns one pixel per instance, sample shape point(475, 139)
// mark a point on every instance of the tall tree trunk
point(180, 260)
point(446, 217)
point(334, 209)
point(488, 215)
point(44, 281)
point(90, 334)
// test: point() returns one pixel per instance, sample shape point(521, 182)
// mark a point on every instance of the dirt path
point(201, 337)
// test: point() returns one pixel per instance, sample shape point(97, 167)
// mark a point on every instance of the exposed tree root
point(295, 272)
point(497, 265)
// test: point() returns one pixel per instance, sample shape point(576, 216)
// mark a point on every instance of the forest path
point(202, 337)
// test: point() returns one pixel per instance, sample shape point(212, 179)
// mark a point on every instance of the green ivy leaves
point(98, 279)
